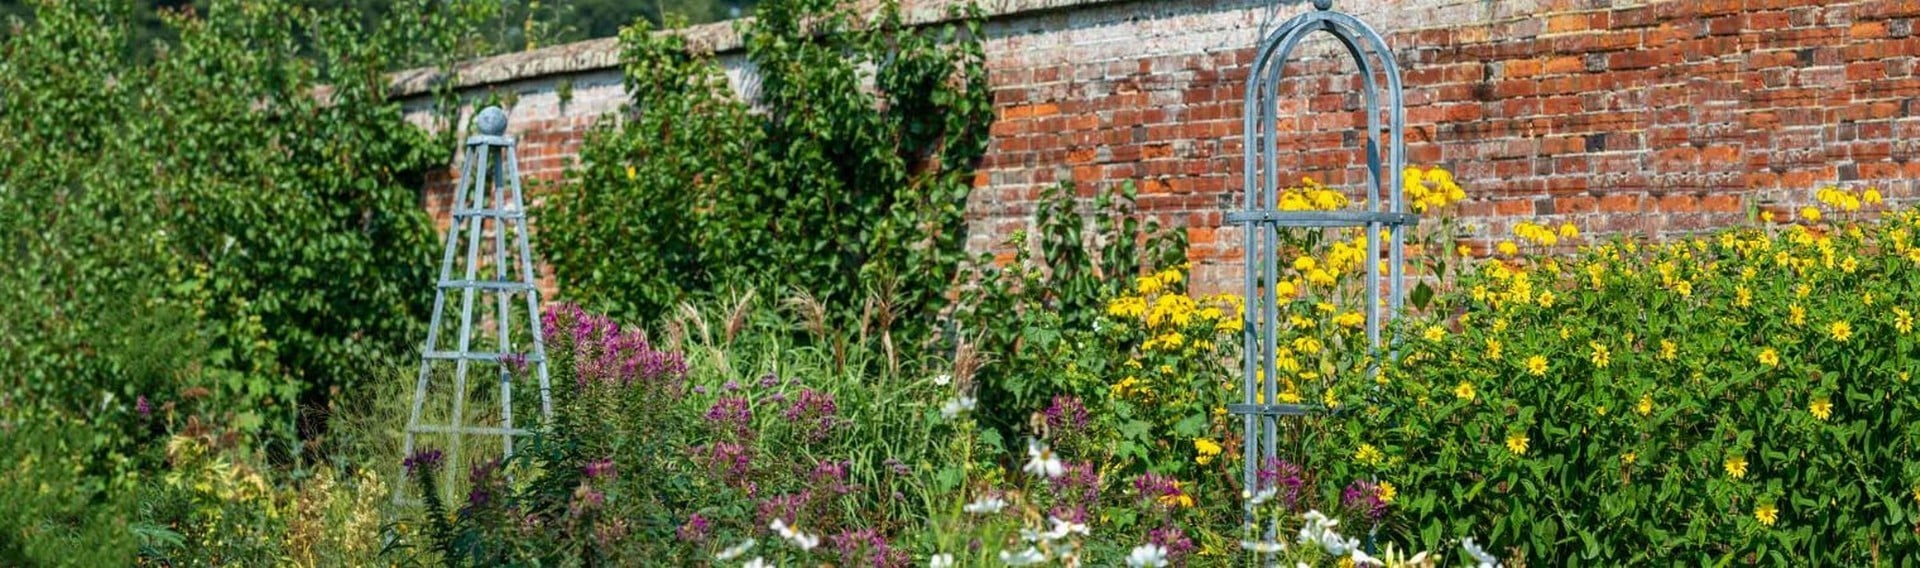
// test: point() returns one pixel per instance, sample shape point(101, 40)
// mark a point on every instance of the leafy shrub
point(845, 175)
point(267, 237)
point(1741, 397)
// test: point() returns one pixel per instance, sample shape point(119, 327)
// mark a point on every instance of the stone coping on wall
point(716, 37)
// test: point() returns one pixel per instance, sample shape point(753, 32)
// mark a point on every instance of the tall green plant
point(845, 175)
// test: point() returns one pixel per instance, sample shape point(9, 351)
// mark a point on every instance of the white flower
point(757, 562)
point(986, 506)
point(1041, 461)
point(796, 536)
point(735, 551)
point(1361, 558)
point(942, 560)
point(1262, 497)
point(1319, 530)
point(1061, 529)
point(1027, 557)
point(1480, 557)
point(943, 380)
point(1147, 556)
point(956, 406)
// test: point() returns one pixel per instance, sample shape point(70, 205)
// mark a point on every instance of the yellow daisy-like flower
point(1601, 356)
point(1304, 264)
point(1766, 514)
point(1645, 406)
point(1149, 284)
point(1668, 350)
point(631, 174)
point(1769, 357)
point(1537, 365)
point(1821, 408)
point(1568, 231)
point(1629, 458)
point(1493, 349)
point(1810, 213)
point(1546, 299)
point(1351, 320)
point(1840, 330)
point(1742, 297)
point(1766, 216)
point(1464, 391)
point(1368, 454)
point(1849, 264)
point(1517, 443)
point(1435, 333)
point(1508, 248)
point(1902, 320)
point(1386, 492)
point(1205, 450)
point(1736, 467)
point(1796, 315)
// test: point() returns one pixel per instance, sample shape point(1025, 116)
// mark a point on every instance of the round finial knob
point(1323, 4)
point(491, 121)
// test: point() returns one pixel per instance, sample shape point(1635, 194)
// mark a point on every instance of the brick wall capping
point(713, 38)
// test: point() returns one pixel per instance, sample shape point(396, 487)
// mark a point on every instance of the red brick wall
point(1650, 118)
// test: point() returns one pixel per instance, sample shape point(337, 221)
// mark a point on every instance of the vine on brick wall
point(845, 177)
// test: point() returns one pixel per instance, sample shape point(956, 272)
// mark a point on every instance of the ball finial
point(1323, 4)
point(491, 121)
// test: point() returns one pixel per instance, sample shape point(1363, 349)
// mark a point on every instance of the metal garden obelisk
point(489, 210)
point(1386, 211)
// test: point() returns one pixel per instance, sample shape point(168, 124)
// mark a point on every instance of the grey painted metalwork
point(1262, 220)
point(488, 202)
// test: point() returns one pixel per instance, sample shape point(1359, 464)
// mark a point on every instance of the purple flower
point(1364, 497)
point(1283, 477)
point(1066, 414)
point(695, 530)
point(1077, 483)
point(831, 476)
point(700, 389)
point(866, 547)
point(897, 466)
point(733, 415)
point(731, 386)
point(599, 469)
point(728, 460)
point(1174, 540)
point(143, 407)
point(816, 412)
point(424, 461)
point(1156, 489)
point(787, 507)
point(769, 381)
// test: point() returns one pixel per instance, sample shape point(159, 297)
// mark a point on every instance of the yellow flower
point(1537, 365)
point(1601, 356)
point(1840, 330)
point(1307, 346)
point(1810, 213)
point(1742, 297)
point(1902, 320)
point(1387, 492)
point(1368, 454)
point(1821, 408)
point(1629, 457)
point(1546, 299)
point(1769, 357)
point(1568, 231)
point(1645, 406)
point(1350, 320)
point(1285, 289)
point(1127, 307)
point(1736, 467)
point(1149, 284)
point(1464, 391)
point(1766, 216)
point(1849, 264)
point(1493, 349)
point(1434, 333)
point(1464, 250)
point(1766, 514)
point(1871, 196)
point(1320, 277)
point(1508, 248)
point(1796, 315)
point(1205, 450)
point(1517, 443)
point(1304, 264)
point(1668, 350)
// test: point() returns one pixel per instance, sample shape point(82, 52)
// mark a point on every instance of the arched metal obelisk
point(1262, 219)
point(487, 205)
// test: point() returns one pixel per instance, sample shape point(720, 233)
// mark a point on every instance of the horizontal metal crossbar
point(1275, 409)
point(1321, 218)
point(490, 214)
point(477, 356)
point(478, 139)
point(468, 430)
point(506, 285)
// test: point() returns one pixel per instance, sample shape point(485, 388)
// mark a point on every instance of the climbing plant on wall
point(844, 176)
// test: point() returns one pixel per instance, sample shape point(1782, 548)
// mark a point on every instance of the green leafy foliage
point(845, 176)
